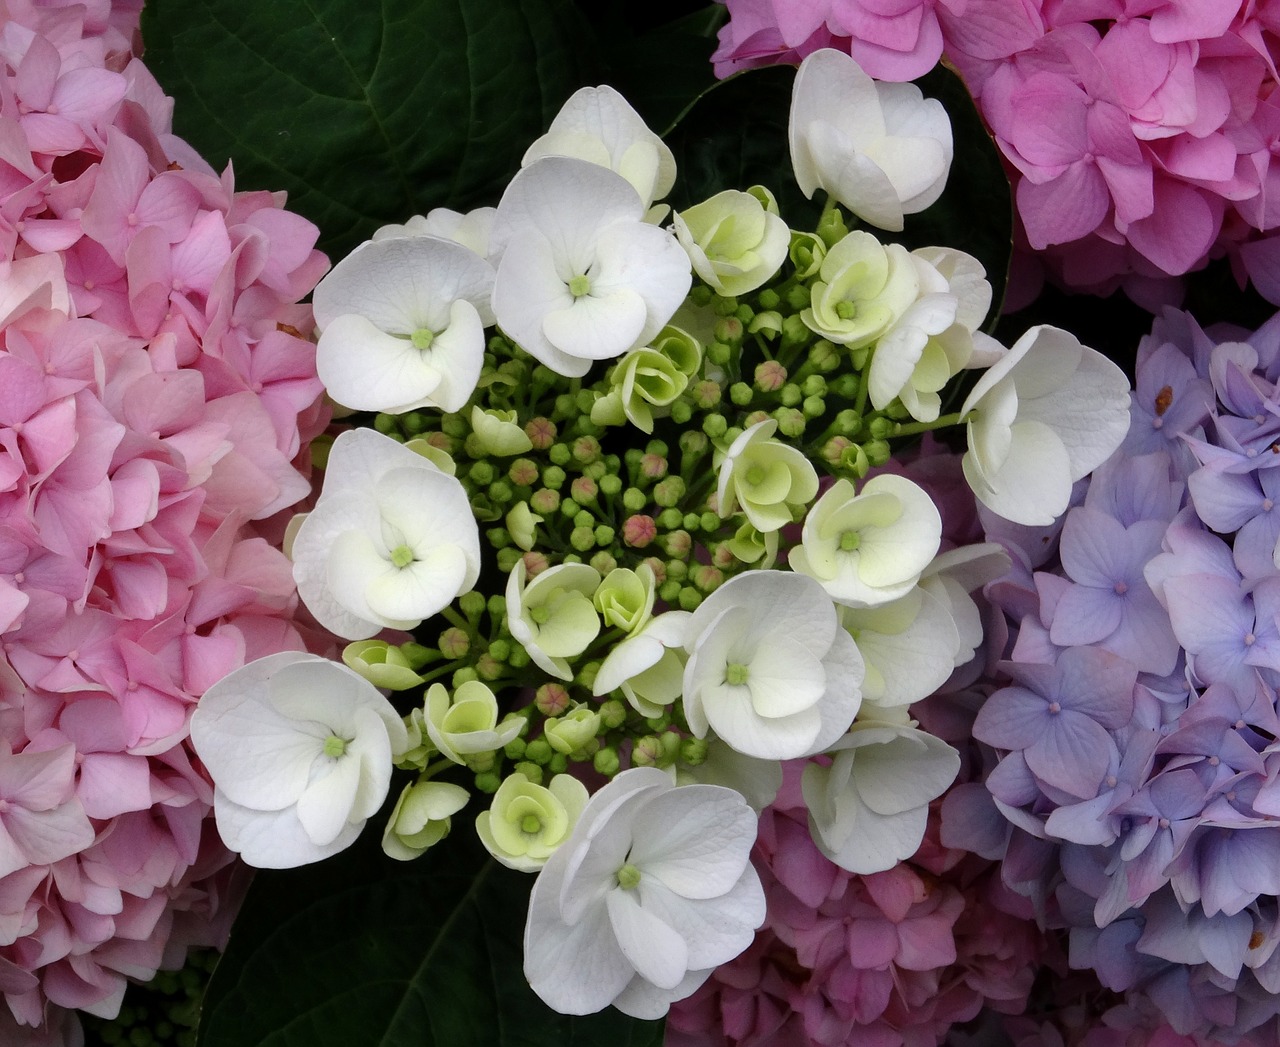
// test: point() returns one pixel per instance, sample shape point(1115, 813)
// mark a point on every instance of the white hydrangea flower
point(867, 810)
point(770, 671)
point(765, 477)
point(471, 229)
point(300, 750)
point(881, 149)
point(652, 891)
point(909, 646)
point(1044, 416)
point(466, 723)
point(402, 325)
point(552, 616)
point(869, 547)
point(390, 542)
point(598, 125)
point(526, 823)
point(733, 241)
point(647, 666)
point(582, 277)
point(422, 818)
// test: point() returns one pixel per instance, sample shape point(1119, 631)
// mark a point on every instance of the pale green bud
point(498, 433)
point(570, 733)
point(381, 664)
point(522, 524)
point(437, 456)
point(421, 818)
point(625, 598)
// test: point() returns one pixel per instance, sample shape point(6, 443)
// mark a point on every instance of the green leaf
point(735, 136)
point(364, 951)
point(366, 113)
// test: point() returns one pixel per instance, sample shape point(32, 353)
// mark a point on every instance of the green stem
point(911, 428)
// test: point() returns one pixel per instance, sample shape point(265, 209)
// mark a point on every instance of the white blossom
point(582, 277)
point(1041, 418)
point(402, 325)
point(300, 750)
point(770, 671)
point(881, 149)
point(391, 540)
point(652, 891)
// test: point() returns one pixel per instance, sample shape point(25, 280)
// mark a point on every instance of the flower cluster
point(1133, 797)
point(1140, 140)
point(585, 469)
point(156, 398)
point(893, 957)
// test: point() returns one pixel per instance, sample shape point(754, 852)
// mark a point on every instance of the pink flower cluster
point(1140, 134)
point(156, 403)
point(883, 960)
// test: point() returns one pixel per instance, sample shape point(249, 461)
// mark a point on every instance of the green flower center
point(402, 556)
point(580, 285)
point(850, 540)
point(335, 746)
point(628, 877)
point(531, 824)
point(756, 475)
point(736, 674)
point(422, 338)
point(846, 310)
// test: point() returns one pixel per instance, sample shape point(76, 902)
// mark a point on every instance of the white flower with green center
point(770, 671)
point(422, 818)
point(733, 241)
point(526, 822)
point(391, 540)
point(864, 288)
point(881, 149)
point(598, 125)
point(653, 890)
point(625, 598)
point(868, 808)
point(647, 666)
point(768, 479)
point(869, 547)
point(1044, 416)
point(552, 616)
point(300, 750)
point(402, 325)
point(466, 724)
point(582, 277)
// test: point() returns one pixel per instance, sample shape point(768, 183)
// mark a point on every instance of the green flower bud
point(532, 771)
point(806, 252)
point(681, 412)
point(488, 782)
point(741, 393)
point(610, 485)
point(693, 751)
point(421, 818)
point(878, 452)
point(606, 762)
point(603, 561)
point(498, 433)
point(583, 539)
point(767, 323)
point(791, 422)
point(647, 751)
point(668, 492)
point(539, 751)
point(634, 499)
point(381, 664)
point(689, 598)
point(625, 598)
point(507, 559)
point(880, 428)
point(613, 714)
point(570, 733)
point(814, 407)
point(643, 380)
point(553, 477)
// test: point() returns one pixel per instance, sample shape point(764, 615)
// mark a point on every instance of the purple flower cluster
point(1134, 792)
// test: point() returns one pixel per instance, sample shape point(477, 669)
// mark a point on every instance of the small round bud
point(541, 433)
point(741, 393)
point(639, 530)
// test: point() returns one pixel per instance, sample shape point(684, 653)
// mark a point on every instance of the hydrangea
point(1140, 143)
point(1131, 780)
point(157, 399)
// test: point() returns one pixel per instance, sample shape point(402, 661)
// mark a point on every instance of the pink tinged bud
point(541, 433)
point(707, 578)
point(722, 556)
point(535, 563)
point(659, 569)
point(551, 699)
point(770, 376)
point(639, 530)
point(584, 490)
point(523, 472)
point(653, 466)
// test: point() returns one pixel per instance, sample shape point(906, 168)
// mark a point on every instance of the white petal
point(654, 949)
point(273, 839)
point(696, 840)
point(325, 805)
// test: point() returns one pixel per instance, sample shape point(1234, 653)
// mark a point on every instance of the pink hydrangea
point(157, 399)
point(1140, 138)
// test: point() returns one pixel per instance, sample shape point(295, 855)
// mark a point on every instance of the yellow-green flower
point(526, 822)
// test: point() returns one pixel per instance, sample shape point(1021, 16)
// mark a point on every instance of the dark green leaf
point(366, 114)
point(363, 951)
